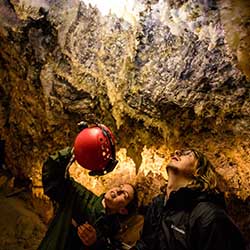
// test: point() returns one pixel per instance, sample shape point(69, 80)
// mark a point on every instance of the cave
point(161, 74)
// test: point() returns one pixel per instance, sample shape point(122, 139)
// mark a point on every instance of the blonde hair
point(205, 177)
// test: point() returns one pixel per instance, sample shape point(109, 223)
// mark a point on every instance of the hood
point(216, 198)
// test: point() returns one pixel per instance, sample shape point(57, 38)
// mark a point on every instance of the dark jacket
point(190, 220)
point(75, 202)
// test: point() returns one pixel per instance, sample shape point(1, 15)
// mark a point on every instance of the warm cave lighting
point(125, 171)
point(126, 9)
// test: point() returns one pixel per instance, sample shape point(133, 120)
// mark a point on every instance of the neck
point(176, 182)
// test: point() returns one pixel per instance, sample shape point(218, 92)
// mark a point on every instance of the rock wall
point(177, 76)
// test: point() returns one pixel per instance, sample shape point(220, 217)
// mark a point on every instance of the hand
point(87, 234)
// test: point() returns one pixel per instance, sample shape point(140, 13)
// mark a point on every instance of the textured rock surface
point(179, 76)
point(21, 227)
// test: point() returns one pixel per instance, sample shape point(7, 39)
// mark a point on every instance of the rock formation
point(174, 75)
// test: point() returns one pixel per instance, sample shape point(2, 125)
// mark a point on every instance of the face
point(183, 162)
point(119, 197)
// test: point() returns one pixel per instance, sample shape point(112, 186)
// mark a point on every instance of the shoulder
point(206, 212)
point(159, 199)
point(158, 202)
point(156, 206)
point(210, 220)
point(86, 193)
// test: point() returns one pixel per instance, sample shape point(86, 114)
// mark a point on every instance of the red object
point(94, 147)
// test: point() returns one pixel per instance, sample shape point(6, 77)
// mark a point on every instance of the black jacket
point(191, 220)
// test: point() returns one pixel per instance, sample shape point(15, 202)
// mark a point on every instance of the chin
point(170, 165)
point(173, 168)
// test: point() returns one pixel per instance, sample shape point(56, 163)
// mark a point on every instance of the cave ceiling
point(170, 74)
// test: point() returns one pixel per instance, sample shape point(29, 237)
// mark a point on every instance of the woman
point(83, 219)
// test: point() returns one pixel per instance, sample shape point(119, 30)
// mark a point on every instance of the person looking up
point(191, 214)
point(84, 220)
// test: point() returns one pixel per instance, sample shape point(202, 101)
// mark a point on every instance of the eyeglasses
point(182, 152)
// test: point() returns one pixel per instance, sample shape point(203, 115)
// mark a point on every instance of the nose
point(119, 192)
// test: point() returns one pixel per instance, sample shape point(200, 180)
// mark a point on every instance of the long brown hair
point(133, 204)
point(205, 177)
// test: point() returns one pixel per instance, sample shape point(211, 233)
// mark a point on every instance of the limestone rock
point(177, 76)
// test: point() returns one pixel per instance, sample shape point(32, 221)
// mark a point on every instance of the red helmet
point(94, 148)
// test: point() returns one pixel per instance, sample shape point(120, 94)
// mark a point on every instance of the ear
point(123, 211)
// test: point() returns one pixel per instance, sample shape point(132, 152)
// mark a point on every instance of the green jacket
point(75, 202)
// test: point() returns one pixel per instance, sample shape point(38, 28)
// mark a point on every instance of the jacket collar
point(185, 198)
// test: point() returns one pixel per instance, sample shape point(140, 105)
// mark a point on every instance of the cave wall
point(176, 76)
